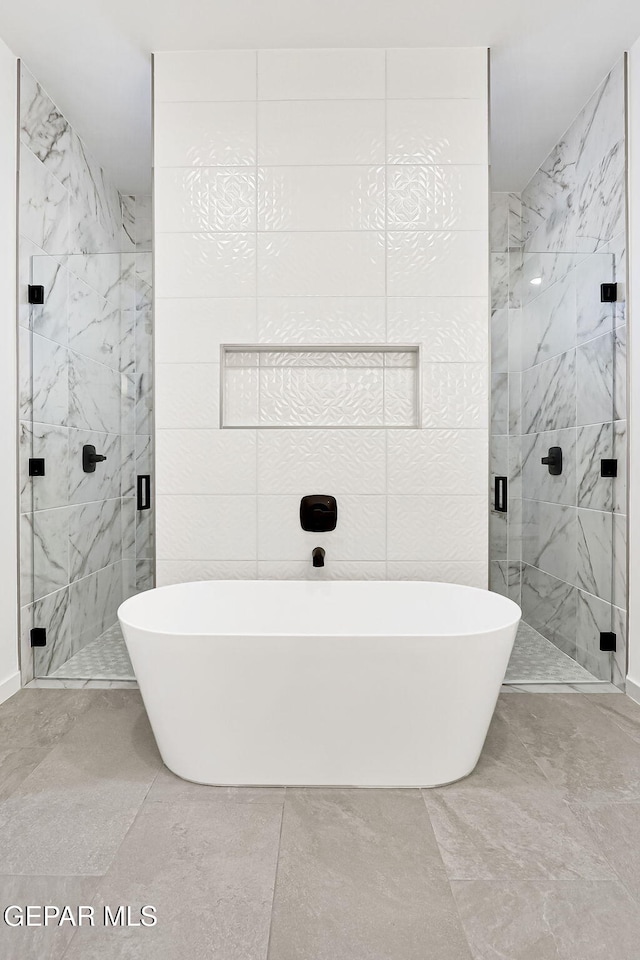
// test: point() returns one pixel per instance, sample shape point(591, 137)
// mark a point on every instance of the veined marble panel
point(43, 207)
point(94, 324)
point(549, 538)
point(549, 323)
point(50, 384)
point(550, 606)
point(94, 395)
point(595, 553)
point(50, 319)
point(88, 554)
point(44, 538)
point(499, 222)
point(595, 380)
point(548, 394)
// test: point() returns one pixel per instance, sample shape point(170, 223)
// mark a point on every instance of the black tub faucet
point(318, 557)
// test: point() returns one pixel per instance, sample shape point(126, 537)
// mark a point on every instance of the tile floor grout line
point(275, 879)
point(472, 953)
point(102, 876)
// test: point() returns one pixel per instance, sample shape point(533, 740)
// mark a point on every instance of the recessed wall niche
point(271, 385)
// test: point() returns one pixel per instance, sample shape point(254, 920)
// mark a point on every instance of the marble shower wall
point(562, 546)
point(85, 377)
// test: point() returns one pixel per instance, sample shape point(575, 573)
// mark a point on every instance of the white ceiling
point(93, 57)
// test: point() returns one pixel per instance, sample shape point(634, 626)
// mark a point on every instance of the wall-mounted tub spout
point(318, 557)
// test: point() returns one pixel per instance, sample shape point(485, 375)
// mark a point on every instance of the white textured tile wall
point(322, 197)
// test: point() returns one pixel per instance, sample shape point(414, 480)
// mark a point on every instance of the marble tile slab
point(50, 384)
point(548, 394)
point(517, 834)
point(548, 920)
point(360, 875)
point(588, 760)
point(103, 519)
point(612, 825)
point(210, 870)
point(70, 815)
point(595, 553)
point(40, 942)
point(549, 538)
point(549, 322)
point(595, 381)
point(94, 395)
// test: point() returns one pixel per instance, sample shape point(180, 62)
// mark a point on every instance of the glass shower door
point(573, 437)
point(86, 545)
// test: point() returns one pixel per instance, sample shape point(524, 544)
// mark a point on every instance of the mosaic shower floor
point(534, 660)
point(103, 659)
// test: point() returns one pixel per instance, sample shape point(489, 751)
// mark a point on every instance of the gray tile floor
point(535, 856)
point(534, 660)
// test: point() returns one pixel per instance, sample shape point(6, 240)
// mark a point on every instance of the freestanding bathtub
point(357, 683)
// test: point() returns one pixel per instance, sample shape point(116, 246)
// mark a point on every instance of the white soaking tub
point(375, 683)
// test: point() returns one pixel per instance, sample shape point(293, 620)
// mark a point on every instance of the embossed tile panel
point(437, 197)
point(368, 228)
point(295, 387)
point(205, 134)
point(321, 198)
point(206, 200)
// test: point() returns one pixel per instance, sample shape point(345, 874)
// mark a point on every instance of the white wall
point(9, 675)
point(273, 224)
point(633, 678)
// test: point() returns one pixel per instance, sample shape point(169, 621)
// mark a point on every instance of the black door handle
point(554, 461)
point(90, 458)
point(143, 491)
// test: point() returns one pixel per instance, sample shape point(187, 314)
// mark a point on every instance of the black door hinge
point(608, 642)
point(38, 636)
point(608, 468)
point(608, 292)
point(36, 466)
point(36, 293)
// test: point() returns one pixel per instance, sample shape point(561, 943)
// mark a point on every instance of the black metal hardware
point(608, 468)
point(318, 557)
point(90, 458)
point(36, 466)
point(554, 461)
point(608, 642)
point(143, 491)
point(608, 292)
point(318, 513)
point(500, 498)
point(38, 636)
point(36, 293)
